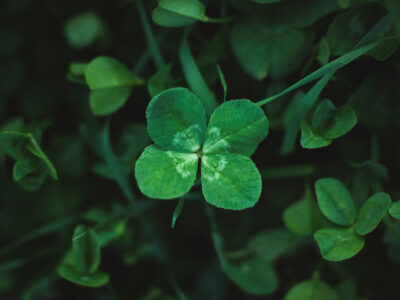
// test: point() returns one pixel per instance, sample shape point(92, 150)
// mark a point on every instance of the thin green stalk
point(114, 165)
point(151, 41)
point(194, 78)
point(333, 66)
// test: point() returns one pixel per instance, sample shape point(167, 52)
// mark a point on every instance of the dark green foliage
point(198, 149)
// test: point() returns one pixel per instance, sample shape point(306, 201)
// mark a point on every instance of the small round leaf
point(335, 201)
point(338, 244)
point(372, 212)
point(236, 126)
point(230, 181)
point(176, 120)
point(165, 174)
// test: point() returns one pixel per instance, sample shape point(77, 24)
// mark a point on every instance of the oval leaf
point(312, 289)
point(230, 181)
point(110, 83)
point(338, 244)
point(176, 120)
point(341, 122)
point(165, 174)
point(236, 126)
point(177, 13)
point(372, 212)
point(335, 201)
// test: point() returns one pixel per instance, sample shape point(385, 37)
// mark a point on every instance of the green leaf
point(335, 201)
point(194, 78)
point(236, 126)
point(394, 210)
point(32, 165)
point(304, 106)
point(84, 29)
point(254, 276)
point(165, 174)
point(230, 181)
point(96, 279)
point(176, 120)
point(311, 140)
point(303, 217)
point(160, 81)
point(321, 116)
point(342, 122)
point(110, 83)
point(338, 244)
point(372, 212)
point(313, 289)
point(85, 250)
point(177, 13)
point(263, 49)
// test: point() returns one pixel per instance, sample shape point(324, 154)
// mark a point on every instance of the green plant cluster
point(197, 149)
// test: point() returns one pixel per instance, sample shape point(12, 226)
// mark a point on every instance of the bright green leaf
point(311, 140)
point(230, 181)
point(372, 212)
point(263, 49)
point(110, 83)
point(254, 276)
point(394, 210)
point(313, 289)
point(177, 13)
point(338, 244)
point(165, 174)
point(335, 201)
point(176, 120)
point(236, 126)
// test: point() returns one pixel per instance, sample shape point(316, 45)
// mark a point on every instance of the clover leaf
point(176, 123)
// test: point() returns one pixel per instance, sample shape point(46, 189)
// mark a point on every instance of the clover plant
point(176, 122)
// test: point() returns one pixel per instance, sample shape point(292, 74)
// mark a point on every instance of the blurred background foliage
point(128, 247)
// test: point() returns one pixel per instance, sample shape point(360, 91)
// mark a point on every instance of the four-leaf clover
point(177, 125)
